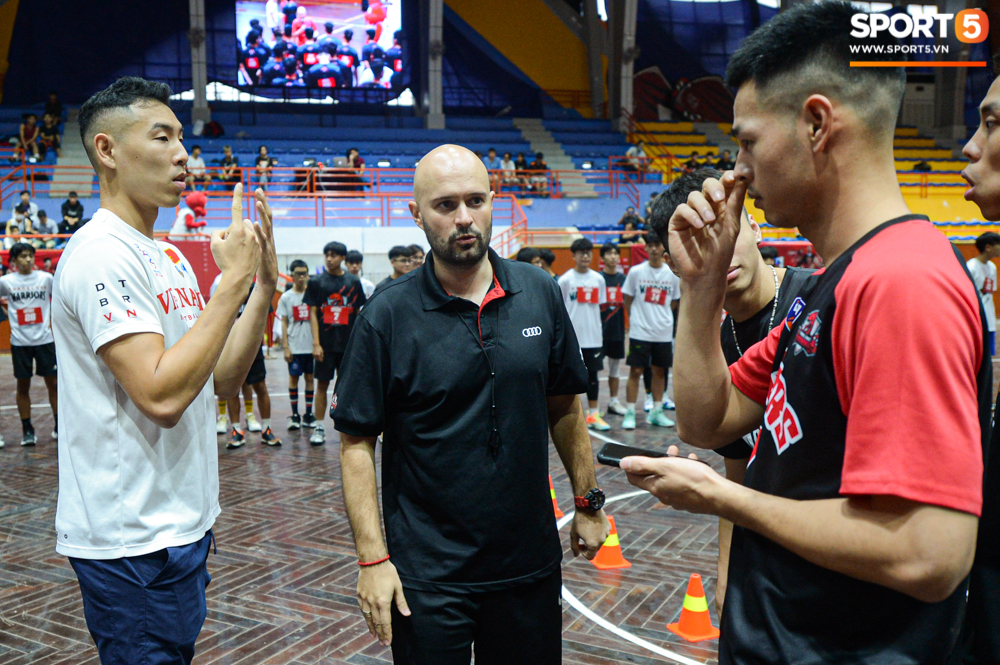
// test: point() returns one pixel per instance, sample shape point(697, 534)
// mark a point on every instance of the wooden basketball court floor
point(283, 589)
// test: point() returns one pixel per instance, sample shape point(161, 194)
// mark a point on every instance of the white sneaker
point(252, 423)
point(648, 406)
point(2, 442)
point(668, 404)
point(318, 437)
point(616, 408)
point(222, 425)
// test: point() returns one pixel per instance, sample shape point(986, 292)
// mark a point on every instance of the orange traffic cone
point(610, 554)
point(555, 506)
point(695, 624)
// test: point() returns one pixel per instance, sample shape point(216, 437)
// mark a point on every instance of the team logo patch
point(807, 337)
point(176, 259)
point(780, 418)
point(793, 312)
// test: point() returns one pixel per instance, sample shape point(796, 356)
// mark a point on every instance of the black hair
point(526, 254)
point(370, 32)
point(309, 32)
point(255, 22)
point(72, 194)
point(23, 192)
point(984, 241)
point(329, 27)
point(298, 263)
point(354, 256)
point(807, 50)
point(195, 147)
point(119, 96)
point(399, 34)
point(581, 245)
point(259, 148)
point(416, 248)
point(547, 255)
point(768, 252)
point(42, 213)
point(400, 250)
point(609, 246)
point(252, 37)
point(652, 238)
point(348, 35)
point(19, 248)
point(678, 192)
point(288, 31)
point(276, 31)
point(539, 155)
point(290, 65)
point(337, 248)
point(491, 150)
point(350, 150)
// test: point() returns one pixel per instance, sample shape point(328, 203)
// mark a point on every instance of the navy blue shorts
point(148, 608)
point(302, 363)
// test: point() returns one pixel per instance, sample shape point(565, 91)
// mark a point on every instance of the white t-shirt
point(367, 287)
point(584, 293)
point(184, 217)
point(196, 166)
point(28, 299)
point(126, 486)
point(985, 277)
point(652, 291)
point(291, 309)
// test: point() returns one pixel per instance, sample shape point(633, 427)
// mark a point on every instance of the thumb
point(636, 466)
point(404, 609)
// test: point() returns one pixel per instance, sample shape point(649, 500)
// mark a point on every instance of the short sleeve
point(4, 289)
point(751, 374)
point(907, 380)
point(362, 386)
point(311, 297)
point(282, 310)
point(567, 373)
point(111, 297)
point(628, 288)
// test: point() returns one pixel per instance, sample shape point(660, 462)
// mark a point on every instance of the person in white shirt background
point(196, 169)
point(984, 274)
point(45, 226)
point(141, 356)
point(650, 292)
point(28, 292)
point(296, 337)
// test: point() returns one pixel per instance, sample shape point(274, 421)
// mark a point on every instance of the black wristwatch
point(593, 501)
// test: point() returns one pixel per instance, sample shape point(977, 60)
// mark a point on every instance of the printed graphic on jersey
point(615, 295)
point(988, 286)
point(585, 295)
point(793, 312)
point(178, 264)
point(655, 295)
point(807, 336)
point(780, 418)
point(29, 316)
point(300, 313)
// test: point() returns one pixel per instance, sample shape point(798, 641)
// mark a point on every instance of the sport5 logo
point(532, 332)
point(807, 336)
point(780, 418)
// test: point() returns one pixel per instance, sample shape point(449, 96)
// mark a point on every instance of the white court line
point(605, 624)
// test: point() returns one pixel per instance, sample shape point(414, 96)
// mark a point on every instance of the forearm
point(242, 343)
point(314, 325)
point(736, 470)
point(284, 334)
point(357, 468)
point(572, 442)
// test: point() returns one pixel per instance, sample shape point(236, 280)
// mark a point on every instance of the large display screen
point(319, 43)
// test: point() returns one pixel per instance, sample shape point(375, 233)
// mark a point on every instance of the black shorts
point(257, 371)
point(614, 349)
point(325, 371)
point(593, 359)
point(44, 356)
point(644, 354)
point(522, 624)
point(302, 363)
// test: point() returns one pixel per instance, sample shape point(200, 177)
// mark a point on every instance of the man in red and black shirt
point(348, 58)
point(856, 528)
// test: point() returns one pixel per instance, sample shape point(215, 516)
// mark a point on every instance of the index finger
point(238, 204)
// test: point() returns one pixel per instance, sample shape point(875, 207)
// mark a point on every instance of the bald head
point(449, 170)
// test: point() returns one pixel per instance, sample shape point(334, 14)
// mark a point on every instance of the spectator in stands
point(349, 58)
point(72, 215)
point(633, 216)
point(416, 256)
point(48, 136)
point(548, 258)
point(923, 166)
point(230, 167)
point(636, 161)
point(28, 138)
point(20, 221)
point(400, 257)
point(30, 207)
point(521, 164)
point(54, 107)
point(491, 160)
point(530, 255)
point(631, 235)
point(264, 164)
point(47, 265)
point(196, 169)
point(540, 176)
point(770, 255)
point(507, 175)
point(302, 23)
point(725, 162)
point(46, 227)
point(356, 162)
point(692, 163)
point(13, 235)
point(649, 204)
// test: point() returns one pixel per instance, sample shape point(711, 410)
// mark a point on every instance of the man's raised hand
point(267, 273)
point(701, 235)
point(237, 249)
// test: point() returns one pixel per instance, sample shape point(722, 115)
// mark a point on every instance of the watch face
point(596, 499)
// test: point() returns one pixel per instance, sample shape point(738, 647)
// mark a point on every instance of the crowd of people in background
point(517, 174)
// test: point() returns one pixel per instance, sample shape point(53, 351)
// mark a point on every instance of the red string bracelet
point(372, 563)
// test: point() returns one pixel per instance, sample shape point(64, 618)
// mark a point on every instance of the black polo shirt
point(465, 489)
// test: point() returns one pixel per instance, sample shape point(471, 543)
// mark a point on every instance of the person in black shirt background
point(464, 366)
point(328, 41)
point(371, 47)
point(285, 47)
point(326, 74)
point(309, 51)
point(289, 8)
point(758, 297)
point(254, 58)
point(334, 298)
point(348, 58)
point(613, 320)
point(394, 59)
point(72, 214)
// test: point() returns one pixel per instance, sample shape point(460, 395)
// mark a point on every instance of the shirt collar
point(433, 295)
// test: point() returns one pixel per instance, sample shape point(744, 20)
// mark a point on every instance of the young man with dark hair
point(309, 51)
point(770, 255)
point(44, 227)
point(296, 336)
point(348, 58)
point(849, 537)
point(548, 257)
point(326, 73)
point(984, 275)
point(613, 321)
point(72, 214)
point(354, 260)
point(230, 167)
point(583, 294)
point(401, 259)
point(254, 58)
point(334, 298)
point(650, 295)
point(416, 256)
point(530, 255)
point(394, 59)
point(29, 292)
point(328, 41)
point(140, 358)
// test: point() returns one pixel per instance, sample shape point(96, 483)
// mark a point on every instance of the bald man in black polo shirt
point(465, 365)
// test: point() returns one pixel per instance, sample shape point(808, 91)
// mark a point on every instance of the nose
point(743, 170)
point(971, 149)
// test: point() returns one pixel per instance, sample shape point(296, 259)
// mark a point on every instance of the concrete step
point(73, 154)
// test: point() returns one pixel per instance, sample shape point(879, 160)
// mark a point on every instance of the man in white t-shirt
point(353, 261)
point(296, 336)
point(984, 274)
point(29, 292)
point(196, 169)
point(141, 356)
point(584, 291)
point(650, 292)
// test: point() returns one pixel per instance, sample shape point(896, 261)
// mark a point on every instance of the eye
point(990, 123)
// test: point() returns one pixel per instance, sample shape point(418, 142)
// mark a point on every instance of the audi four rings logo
point(532, 332)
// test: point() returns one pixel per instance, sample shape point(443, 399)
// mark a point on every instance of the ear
point(818, 115)
point(754, 226)
point(415, 212)
point(104, 147)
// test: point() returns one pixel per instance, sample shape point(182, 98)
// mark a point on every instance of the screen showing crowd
point(319, 43)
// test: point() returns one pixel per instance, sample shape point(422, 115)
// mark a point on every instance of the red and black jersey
point(876, 384)
point(348, 56)
point(338, 300)
point(325, 76)
point(394, 59)
point(254, 59)
point(309, 55)
point(613, 311)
